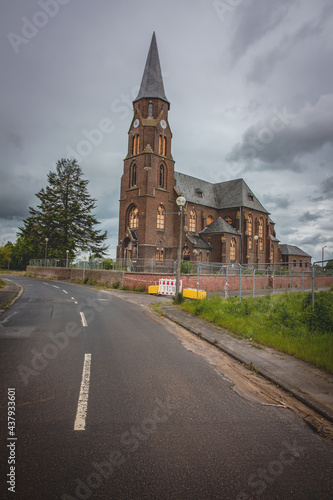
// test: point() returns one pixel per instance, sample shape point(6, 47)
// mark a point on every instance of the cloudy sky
point(250, 87)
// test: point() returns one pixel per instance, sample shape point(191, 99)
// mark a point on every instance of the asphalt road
point(119, 409)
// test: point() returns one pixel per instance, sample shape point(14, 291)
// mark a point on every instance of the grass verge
point(2, 283)
point(284, 321)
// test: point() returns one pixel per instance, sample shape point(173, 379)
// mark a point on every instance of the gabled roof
point(228, 194)
point(219, 226)
point(293, 250)
point(198, 242)
point(152, 81)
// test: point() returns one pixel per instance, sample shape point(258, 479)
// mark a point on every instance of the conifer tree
point(64, 216)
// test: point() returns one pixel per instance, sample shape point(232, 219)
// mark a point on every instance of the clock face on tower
point(163, 124)
point(136, 123)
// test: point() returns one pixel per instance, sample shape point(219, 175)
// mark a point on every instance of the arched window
point(193, 221)
point(294, 262)
point(160, 217)
point(164, 146)
point(200, 257)
point(161, 179)
point(133, 176)
point(186, 253)
point(250, 243)
point(160, 145)
point(228, 220)
point(207, 257)
point(159, 254)
point(136, 144)
point(249, 225)
point(233, 250)
point(261, 245)
point(150, 110)
point(133, 221)
point(210, 219)
point(261, 227)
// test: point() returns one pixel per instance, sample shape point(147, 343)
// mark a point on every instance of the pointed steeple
point(152, 81)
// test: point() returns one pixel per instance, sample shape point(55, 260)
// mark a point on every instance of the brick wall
point(208, 282)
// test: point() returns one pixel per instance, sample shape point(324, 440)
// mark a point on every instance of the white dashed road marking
point(82, 406)
point(83, 319)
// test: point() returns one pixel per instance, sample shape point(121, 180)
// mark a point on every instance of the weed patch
point(284, 321)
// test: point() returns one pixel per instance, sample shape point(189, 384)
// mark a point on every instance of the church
point(223, 222)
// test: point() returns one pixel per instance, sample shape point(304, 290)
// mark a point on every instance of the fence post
point(312, 285)
point(254, 282)
point(226, 283)
point(273, 280)
point(240, 283)
point(198, 273)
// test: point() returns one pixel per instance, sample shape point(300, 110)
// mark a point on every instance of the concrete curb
point(302, 397)
point(16, 294)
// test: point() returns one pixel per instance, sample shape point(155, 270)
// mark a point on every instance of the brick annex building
point(223, 222)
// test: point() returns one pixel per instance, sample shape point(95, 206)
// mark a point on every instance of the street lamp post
point(322, 256)
point(256, 243)
point(180, 202)
point(322, 262)
point(46, 241)
point(67, 251)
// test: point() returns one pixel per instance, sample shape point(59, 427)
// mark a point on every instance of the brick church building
point(223, 222)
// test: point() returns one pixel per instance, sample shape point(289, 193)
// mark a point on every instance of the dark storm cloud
point(310, 33)
point(309, 217)
point(325, 191)
point(274, 202)
point(255, 19)
point(284, 136)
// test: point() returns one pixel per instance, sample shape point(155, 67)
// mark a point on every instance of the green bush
point(186, 267)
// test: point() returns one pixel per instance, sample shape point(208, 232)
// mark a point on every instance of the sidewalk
point(8, 294)
point(308, 384)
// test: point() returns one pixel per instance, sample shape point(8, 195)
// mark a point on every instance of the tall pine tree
point(64, 216)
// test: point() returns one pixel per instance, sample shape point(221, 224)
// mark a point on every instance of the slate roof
point(273, 238)
point(219, 226)
point(228, 194)
point(293, 250)
point(152, 81)
point(199, 242)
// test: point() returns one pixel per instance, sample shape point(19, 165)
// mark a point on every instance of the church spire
point(152, 81)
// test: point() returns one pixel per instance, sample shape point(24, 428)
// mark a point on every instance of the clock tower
point(147, 197)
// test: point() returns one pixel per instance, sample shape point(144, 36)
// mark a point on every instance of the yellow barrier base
point(153, 289)
point(191, 293)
